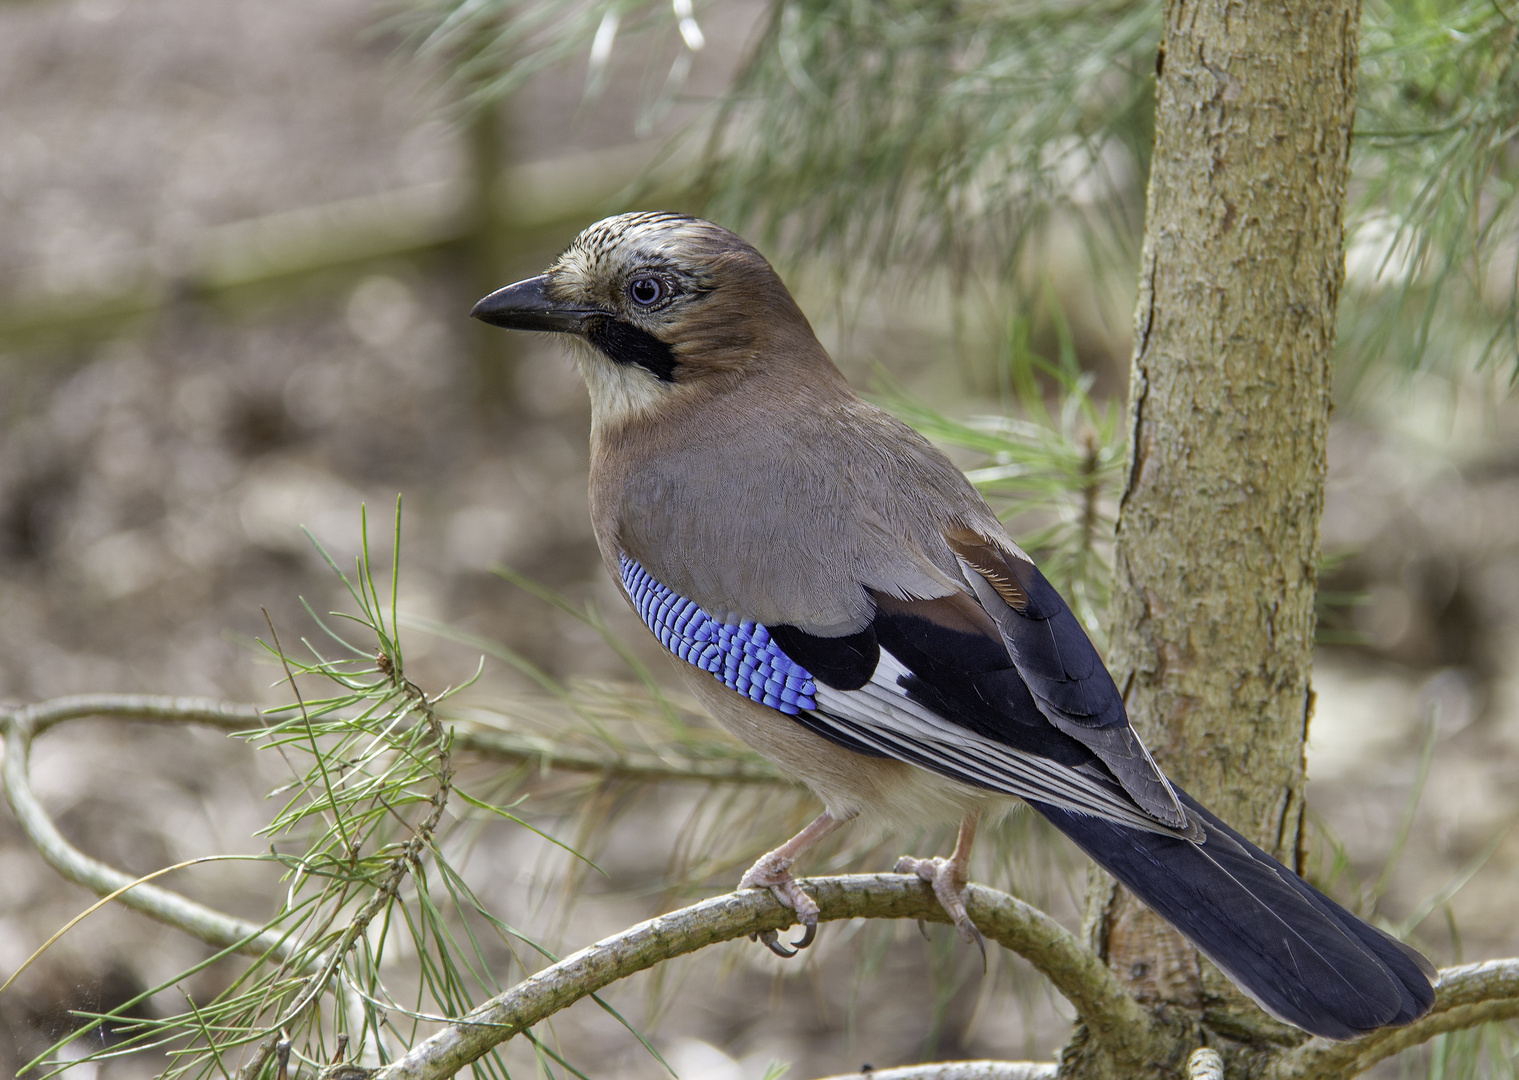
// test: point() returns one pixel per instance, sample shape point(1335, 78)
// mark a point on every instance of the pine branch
point(1113, 1017)
point(1468, 995)
point(153, 708)
point(624, 765)
point(960, 1070)
point(1052, 949)
point(164, 905)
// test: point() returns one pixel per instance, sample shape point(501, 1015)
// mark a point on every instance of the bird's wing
point(1061, 668)
point(927, 681)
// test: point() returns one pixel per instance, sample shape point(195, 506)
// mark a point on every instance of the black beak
point(527, 306)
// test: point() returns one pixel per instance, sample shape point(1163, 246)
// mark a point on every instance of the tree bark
point(1218, 535)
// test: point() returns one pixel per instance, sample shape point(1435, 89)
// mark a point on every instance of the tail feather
point(1297, 953)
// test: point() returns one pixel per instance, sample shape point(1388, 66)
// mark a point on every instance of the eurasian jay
point(840, 598)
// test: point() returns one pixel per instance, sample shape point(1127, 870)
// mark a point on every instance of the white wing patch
point(881, 716)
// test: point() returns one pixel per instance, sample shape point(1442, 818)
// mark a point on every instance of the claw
point(773, 871)
point(771, 940)
point(978, 939)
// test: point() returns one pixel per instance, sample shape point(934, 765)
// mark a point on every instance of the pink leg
point(948, 877)
point(773, 872)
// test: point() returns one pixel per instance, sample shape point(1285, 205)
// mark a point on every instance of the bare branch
point(1112, 1016)
point(961, 1070)
point(152, 900)
point(490, 742)
point(208, 712)
point(1205, 1063)
point(1468, 995)
point(512, 746)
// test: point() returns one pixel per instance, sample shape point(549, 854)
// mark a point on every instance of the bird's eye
point(646, 291)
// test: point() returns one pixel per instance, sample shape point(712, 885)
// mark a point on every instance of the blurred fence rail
point(527, 203)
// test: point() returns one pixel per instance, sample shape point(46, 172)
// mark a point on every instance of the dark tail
point(1301, 956)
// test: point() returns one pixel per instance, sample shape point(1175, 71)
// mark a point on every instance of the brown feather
point(990, 561)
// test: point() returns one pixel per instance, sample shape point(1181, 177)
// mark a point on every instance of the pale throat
point(619, 392)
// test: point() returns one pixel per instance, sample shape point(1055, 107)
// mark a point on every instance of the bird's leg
point(948, 877)
point(773, 872)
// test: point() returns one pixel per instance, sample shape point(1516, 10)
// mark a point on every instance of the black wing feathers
point(1017, 669)
point(844, 663)
point(961, 670)
point(833, 734)
point(1062, 669)
point(965, 665)
point(1047, 644)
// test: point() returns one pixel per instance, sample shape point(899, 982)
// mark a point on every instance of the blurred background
point(238, 246)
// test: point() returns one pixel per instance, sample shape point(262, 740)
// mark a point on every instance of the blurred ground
point(152, 486)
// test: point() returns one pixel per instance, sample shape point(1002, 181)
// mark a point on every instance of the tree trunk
point(1218, 533)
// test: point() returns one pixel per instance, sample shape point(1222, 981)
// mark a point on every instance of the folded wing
point(1003, 691)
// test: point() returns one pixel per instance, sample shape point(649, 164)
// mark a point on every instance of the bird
point(836, 593)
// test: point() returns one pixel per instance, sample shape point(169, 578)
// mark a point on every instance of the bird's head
point(664, 304)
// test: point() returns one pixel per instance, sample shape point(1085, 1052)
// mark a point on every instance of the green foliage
point(1486, 1052)
point(867, 136)
point(1435, 203)
point(878, 134)
point(1053, 461)
point(370, 895)
point(356, 835)
point(483, 50)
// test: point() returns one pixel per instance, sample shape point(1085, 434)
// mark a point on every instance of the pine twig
point(1468, 995)
point(168, 907)
point(1112, 1016)
point(961, 1070)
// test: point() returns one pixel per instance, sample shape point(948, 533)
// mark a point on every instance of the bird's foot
point(773, 872)
point(947, 876)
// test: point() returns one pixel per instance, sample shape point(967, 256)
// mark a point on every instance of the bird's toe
point(924, 868)
point(773, 872)
point(947, 876)
point(769, 870)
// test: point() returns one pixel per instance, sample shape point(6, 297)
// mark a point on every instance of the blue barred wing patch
point(739, 655)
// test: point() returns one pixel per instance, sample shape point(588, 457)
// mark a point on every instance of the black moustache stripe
point(624, 343)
